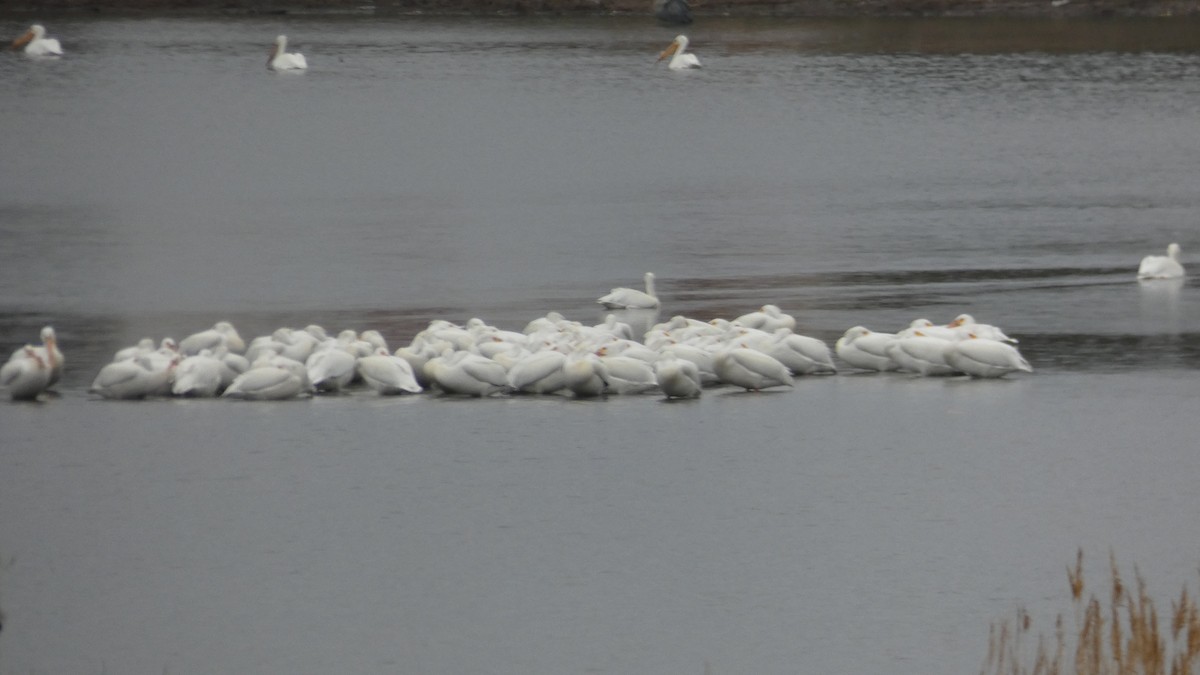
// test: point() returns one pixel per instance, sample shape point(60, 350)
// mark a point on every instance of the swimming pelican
point(25, 375)
point(682, 59)
point(628, 298)
point(36, 43)
point(1162, 266)
point(280, 59)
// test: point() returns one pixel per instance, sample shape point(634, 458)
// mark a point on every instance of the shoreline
point(700, 8)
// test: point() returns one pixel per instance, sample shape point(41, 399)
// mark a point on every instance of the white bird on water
point(629, 298)
point(25, 375)
point(35, 43)
point(1162, 266)
point(681, 59)
point(280, 59)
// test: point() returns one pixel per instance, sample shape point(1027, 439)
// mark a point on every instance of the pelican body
point(25, 375)
point(681, 59)
point(35, 43)
point(629, 298)
point(1162, 266)
point(280, 59)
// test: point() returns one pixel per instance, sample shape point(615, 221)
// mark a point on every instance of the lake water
point(159, 178)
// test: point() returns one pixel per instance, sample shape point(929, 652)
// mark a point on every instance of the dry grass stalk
point(1124, 640)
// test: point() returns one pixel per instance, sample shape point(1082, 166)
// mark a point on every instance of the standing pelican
point(280, 59)
point(682, 59)
point(1162, 266)
point(628, 298)
point(35, 43)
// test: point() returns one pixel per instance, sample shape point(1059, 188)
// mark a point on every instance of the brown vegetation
point(1122, 638)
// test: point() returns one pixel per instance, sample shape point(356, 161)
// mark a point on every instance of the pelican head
point(679, 44)
point(35, 32)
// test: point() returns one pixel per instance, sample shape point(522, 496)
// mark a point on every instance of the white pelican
point(280, 59)
point(25, 375)
point(134, 378)
point(199, 376)
point(35, 43)
point(467, 374)
point(49, 353)
point(980, 357)
point(921, 353)
point(222, 333)
point(628, 298)
point(628, 375)
point(388, 375)
point(750, 369)
point(803, 355)
point(965, 326)
point(331, 367)
point(538, 373)
point(267, 381)
point(676, 377)
point(1162, 266)
point(770, 318)
point(681, 59)
point(866, 349)
point(584, 374)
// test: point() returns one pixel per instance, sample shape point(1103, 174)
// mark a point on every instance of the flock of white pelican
point(35, 43)
point(552, 355)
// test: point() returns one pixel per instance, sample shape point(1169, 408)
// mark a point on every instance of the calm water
point(857, 172)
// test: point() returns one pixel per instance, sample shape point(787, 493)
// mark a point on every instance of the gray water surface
point(159, 179)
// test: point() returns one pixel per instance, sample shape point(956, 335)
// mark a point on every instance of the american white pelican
point(628, 375)
point(770, 319)
point(198, 376)
point(749, 368)
point(222, 333)
point(467, 374)
point(538, 373)
point(280, 59)
point(35, 43)
point(1162, 266)
point(681, 59)
point(803, 355)
point(676, 377)
point(965, 326)
point(267, 381)
point(584, 375)
point(628, 298)
point(49, 352)
point(134, 378)
point(388, 375)
point(331, 367)
point(866, 349)
point(922, 354)
point(25, 375)
point(981, 357)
